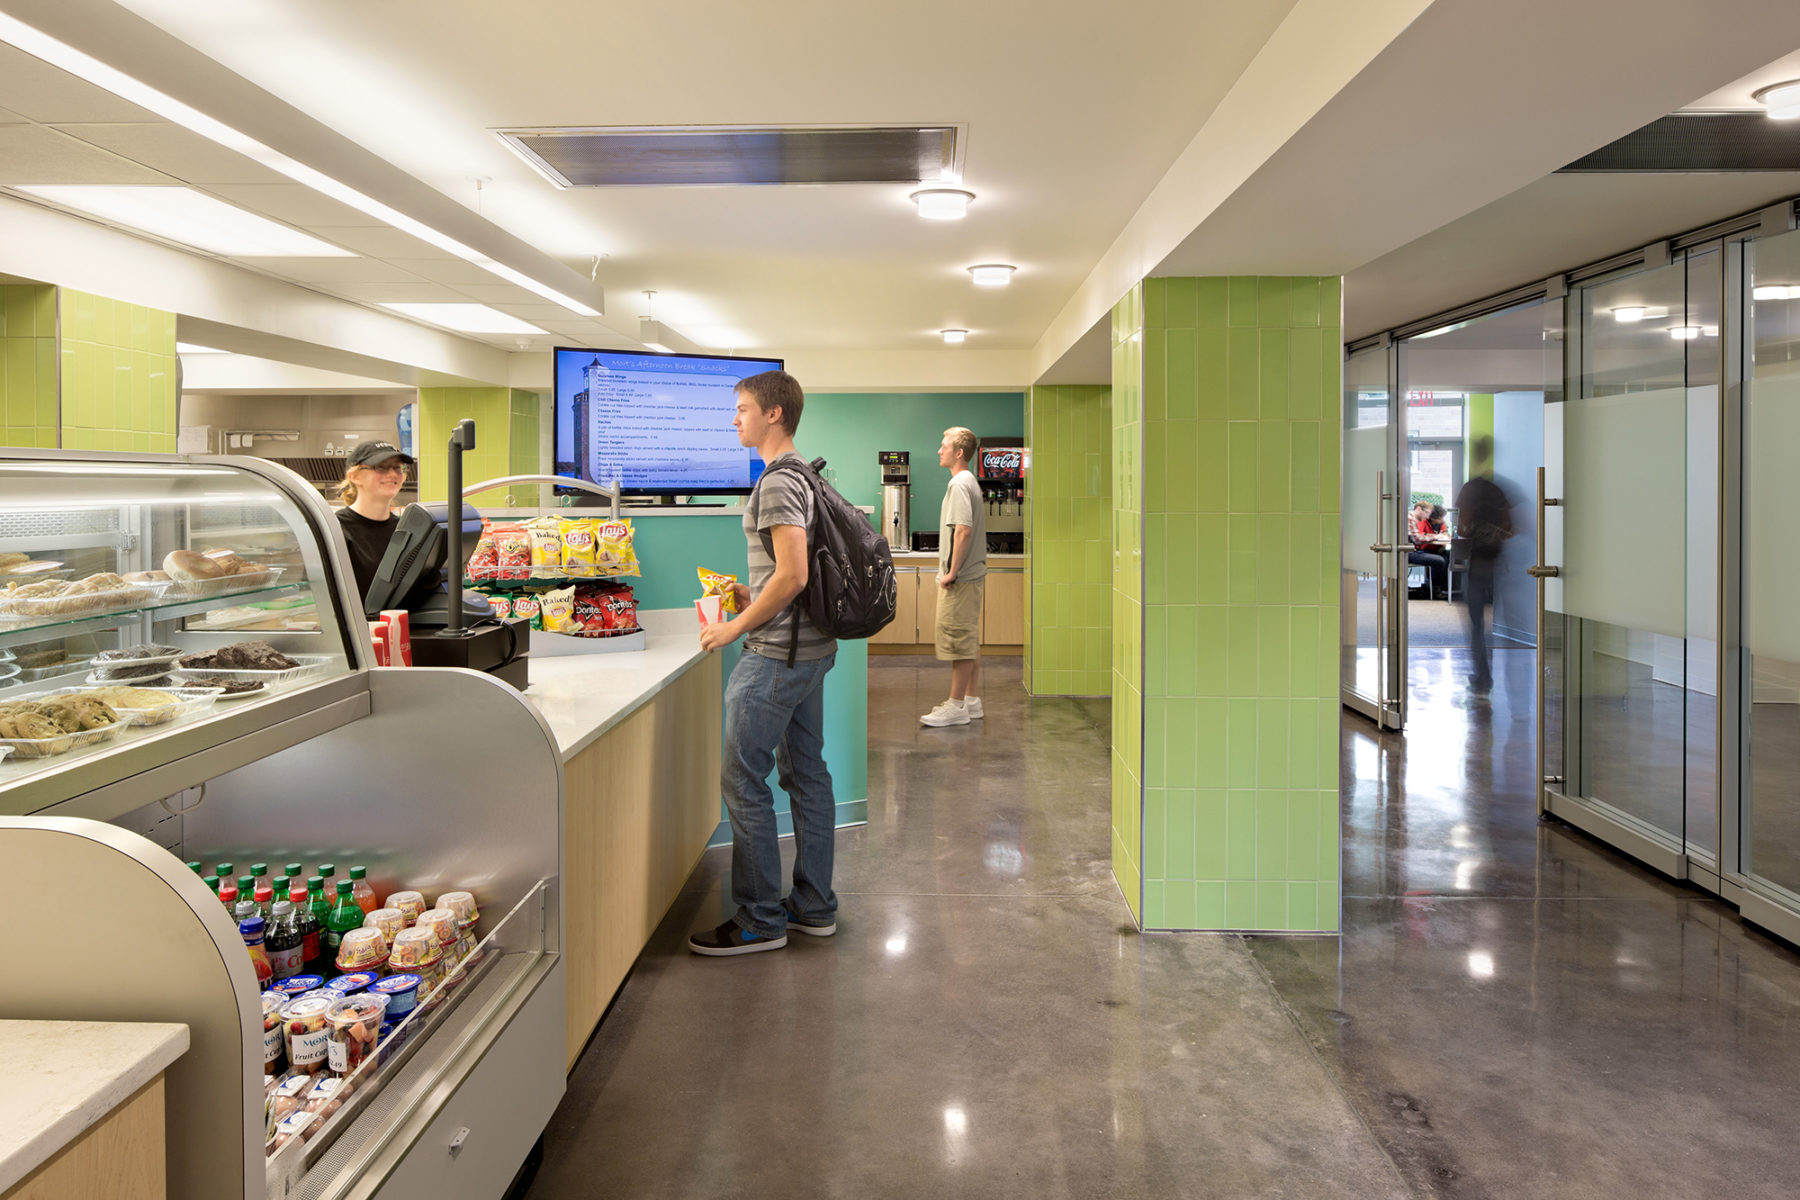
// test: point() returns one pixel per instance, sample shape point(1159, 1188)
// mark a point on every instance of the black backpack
point(850, 587)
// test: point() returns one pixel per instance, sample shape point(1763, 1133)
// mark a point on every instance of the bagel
point(187, 565)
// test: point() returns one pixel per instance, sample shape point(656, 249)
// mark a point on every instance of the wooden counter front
point(639, 805)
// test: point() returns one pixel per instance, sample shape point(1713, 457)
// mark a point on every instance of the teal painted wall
point(669, 548)
point(847, 429)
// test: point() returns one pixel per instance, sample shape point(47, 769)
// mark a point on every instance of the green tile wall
point(1240, 601)
point(506, 439)
point(118, 375)
point(28, 366)
point(1068, 541)
point(1127, 597)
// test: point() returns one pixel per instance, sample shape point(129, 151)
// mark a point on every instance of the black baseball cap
point(367, 454)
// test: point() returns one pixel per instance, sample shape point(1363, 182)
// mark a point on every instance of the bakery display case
point(439, 782)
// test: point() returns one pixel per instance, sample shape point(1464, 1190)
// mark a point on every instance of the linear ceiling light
point(1775, 291)
point(192, 218)
point(1780, 100)
point(190, 348)
point(21, 36)
point(954, 337)
point(466, 318)
point(992, 274)
point(1685, 333)
point(943, 204)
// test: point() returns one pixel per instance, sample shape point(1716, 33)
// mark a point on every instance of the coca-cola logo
point(1002, 462)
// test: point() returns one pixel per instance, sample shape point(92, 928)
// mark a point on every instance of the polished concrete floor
point(1512, 1011)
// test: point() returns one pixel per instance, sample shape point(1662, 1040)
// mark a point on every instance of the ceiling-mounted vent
point(1738, 141)
point(714, 156)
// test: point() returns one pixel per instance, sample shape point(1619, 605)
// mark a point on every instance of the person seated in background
point(1425, 531)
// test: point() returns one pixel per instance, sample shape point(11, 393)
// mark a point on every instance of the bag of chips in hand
point(558, 610)
point(485, 561)
point(546, 548)
point(618, 556)
point(717, 583)
point(512, 546)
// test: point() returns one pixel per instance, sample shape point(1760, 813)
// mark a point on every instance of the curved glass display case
point(148, 606)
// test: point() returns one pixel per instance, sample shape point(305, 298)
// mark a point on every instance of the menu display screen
point(659, 424)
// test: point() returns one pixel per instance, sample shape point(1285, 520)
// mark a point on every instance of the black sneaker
point(732, 938)
point(796, 925)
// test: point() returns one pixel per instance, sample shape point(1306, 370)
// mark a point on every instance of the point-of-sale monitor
point(660, 424)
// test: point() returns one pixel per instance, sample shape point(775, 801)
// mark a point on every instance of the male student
point(962, 572)
point(774, 713)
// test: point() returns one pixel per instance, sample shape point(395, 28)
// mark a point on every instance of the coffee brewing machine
point(896, 498)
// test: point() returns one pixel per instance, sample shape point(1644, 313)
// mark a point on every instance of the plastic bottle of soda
point(283, 891)
point(212, 884)
point(246, 890)
point(296, 885)
point(285, 946)
point(328, 872)
point(264, 895)
point(345, 916)
point(315, 899)
point(196, 868)
point(360, 889)
point(312, 940)
point(228, 892)
point(260, 871)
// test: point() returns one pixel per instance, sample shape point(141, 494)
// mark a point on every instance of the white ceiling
point(1420, 173)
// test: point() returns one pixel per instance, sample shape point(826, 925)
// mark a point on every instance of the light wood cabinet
point(121, 1157)
point(905, 628)
point(1003, 609)
point(929, 591)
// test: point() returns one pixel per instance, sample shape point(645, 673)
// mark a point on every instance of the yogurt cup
point(295, 986)
point(352, 983)
point(402, 992)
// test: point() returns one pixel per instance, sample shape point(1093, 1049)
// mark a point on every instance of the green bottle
point(211, 881)
point(345, 916)
point(315, 899)
point(196, 868)
point(327, 872)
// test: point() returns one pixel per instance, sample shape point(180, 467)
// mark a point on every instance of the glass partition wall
point(1372, 661)
point(1633, 458)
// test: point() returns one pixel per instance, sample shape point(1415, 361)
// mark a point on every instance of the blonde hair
point(962, 441)
point(347, 489)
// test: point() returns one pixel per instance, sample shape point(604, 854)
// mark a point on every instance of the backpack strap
point(812, 482)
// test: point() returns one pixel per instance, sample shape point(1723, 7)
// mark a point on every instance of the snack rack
point(434, 779)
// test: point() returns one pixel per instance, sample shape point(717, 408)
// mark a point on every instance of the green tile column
point(506, 440)
point(1128, 646)
point(118, 375)
point(1240, 603)
point(1068, 541)
point(28, 366)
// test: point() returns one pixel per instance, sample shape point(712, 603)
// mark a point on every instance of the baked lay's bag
point(580, 546)
point(618, 554)
point(717, 583)
point(558, 610)
point(546, 547)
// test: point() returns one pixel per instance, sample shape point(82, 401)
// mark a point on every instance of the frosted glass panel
point(1624, 519)
point(1771, 549)
point(1365, 452)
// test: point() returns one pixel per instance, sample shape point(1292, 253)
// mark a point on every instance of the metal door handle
point(1543, 572)
point(1380, 549)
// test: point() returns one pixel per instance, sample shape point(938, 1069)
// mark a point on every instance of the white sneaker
point(972, 706)
point(947, 713)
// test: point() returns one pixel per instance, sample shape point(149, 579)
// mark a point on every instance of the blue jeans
point(775, 717)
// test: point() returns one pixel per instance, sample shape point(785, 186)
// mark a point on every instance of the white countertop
point(60, 1078)
point(581, 696)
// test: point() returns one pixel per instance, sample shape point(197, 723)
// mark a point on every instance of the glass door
point(1631, 474)
point(1373, 587)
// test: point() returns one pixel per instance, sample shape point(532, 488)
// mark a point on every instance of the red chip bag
point(620, 606)
point(512, 545)
point(486, 560)
point(590, 610)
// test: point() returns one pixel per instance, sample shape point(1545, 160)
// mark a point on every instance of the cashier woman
point(373, 476)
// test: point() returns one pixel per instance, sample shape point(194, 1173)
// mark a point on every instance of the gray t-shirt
point(780, 498)
point(963, 505)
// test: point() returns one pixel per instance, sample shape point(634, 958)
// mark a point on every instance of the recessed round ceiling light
point(954, 337)
point(943, 204)
point(992, 274)
point(1780, 100)
point(1629, 312)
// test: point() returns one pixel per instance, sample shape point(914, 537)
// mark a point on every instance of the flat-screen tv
point(660, 424)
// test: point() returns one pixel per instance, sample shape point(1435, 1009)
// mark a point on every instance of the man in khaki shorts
point(962, 572)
